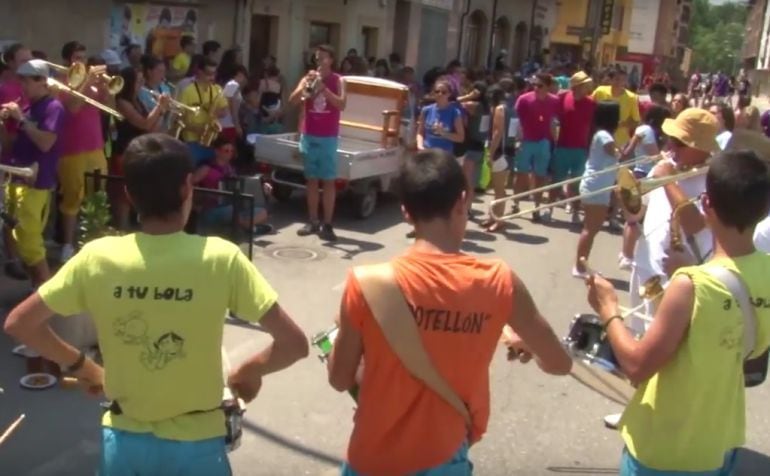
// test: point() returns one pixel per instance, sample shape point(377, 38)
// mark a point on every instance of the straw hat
point(694, 127)
point(578, 79)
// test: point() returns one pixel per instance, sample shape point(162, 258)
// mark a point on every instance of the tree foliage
point(716, 35)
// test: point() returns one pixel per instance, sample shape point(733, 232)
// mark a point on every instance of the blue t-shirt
point(599, 159)
point(446, 117)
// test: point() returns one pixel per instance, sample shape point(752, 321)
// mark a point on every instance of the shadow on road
point(351, 247)
point(619, 284)
point(525, 238)
point(288, 444)
point(751, 462)
point(581, 470)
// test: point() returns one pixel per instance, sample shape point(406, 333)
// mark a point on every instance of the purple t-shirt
point(48, 115)
point(536, 116)
point(321, 118)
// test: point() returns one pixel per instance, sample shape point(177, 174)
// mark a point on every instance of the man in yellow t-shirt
point(180, 64)
point(158, 298)
point(628, 101)
point(688, 413)
point(206, 95)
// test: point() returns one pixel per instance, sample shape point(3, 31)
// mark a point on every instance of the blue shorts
point(138, 454)
point(568, 162)
point(474, 156)
point(224, 214)
point(534, 157)
point(320, 156)
point(458, 465)
point(200, 153)
point(630, 466)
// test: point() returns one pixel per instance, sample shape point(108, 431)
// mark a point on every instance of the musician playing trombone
point(688, 414)
point(39, 128)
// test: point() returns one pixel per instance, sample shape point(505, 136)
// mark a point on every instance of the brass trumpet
point(210, 132)
point(177, 125)
point(77, 74)
point(311, 86)
point(176, 106)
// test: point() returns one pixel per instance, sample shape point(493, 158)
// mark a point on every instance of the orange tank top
point(460, 304)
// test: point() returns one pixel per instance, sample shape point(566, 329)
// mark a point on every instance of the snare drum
point(324, 341)
point(594, 363)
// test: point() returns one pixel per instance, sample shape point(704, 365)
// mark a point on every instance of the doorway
point(264, 35)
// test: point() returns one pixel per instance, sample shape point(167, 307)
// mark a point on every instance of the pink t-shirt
point(82, 131)
point(11, 91)
point(575, 120)
point(321, 118)
point(536, 116)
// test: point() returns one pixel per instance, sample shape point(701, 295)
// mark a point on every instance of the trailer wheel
point(364, 203)
point(282, 193)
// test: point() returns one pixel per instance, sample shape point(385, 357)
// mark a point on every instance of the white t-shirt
point(654, 242)
point(232, 90)
point(762, 235)
point(647, 135)
point(723, 138)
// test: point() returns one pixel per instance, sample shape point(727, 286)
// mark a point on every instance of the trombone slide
point(23, 172)
point(69, 90)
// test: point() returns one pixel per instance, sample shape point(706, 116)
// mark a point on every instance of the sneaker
point(569, 209)
point(67, 252)
point(625, 263)
point(612, 421)
point(536, 217)
point(575, 218)
point(547, 215)
point(579, 274)
point(412, 234)
point(13, 269)
point(263, 229)
point(327, 233)
point(614, 226)
point(309, 229)
point(516, 208)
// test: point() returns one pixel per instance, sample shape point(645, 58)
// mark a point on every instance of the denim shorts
point(458, 465)
point(568, 162)
point(534, 157)
point(630, 466)
point(320, 156)
point(125, 453)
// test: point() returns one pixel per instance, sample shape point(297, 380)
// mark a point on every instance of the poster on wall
point(635, 72)
point(644, 24)
point(156, 28)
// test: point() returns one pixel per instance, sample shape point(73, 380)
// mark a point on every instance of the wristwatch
point(78, 363)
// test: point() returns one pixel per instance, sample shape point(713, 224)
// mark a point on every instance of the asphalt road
point(300, 426)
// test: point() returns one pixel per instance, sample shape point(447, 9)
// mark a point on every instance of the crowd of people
point(157, 296)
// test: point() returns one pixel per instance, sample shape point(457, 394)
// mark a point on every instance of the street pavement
point(540, 425)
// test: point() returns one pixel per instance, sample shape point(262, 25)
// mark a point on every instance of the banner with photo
point(156, 28)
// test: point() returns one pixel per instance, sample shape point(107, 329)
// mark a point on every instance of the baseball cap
point(694, 127)
point(111, 57)
point(33, 67)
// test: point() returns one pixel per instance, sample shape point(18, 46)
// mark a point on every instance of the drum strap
point(388, 305)
point(734, 283)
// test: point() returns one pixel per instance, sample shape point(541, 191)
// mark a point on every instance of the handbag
point(754, 370)
point(390, 310)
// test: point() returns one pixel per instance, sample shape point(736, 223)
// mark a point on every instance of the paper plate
point(38, 381)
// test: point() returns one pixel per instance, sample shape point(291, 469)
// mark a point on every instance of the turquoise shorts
point(125, 453)
point(568, 162)
point(223, 215)
point(630, 466)
point(458, 465)
point(534, 157)
point(320, 156)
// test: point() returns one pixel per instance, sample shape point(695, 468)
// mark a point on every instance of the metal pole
point(531, 29)
point(492, 36)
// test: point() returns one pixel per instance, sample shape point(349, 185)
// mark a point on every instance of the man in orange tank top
point(460, 305)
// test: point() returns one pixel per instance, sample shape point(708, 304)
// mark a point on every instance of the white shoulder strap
point(734, 283)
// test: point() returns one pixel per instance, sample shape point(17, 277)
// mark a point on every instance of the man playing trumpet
point(35, 142)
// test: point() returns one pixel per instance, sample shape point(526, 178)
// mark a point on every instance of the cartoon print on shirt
point(156, 353)
point(319, 103)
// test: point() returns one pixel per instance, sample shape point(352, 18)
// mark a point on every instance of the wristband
point(78, 363)
point(609, 321)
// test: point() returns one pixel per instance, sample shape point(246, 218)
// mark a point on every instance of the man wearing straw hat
point(575, 120)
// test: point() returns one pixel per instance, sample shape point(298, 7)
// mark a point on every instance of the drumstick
point(11, 429)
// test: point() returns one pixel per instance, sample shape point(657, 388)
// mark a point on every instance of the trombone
point(630, 191)
point(29, 172)
point(77, 74)
point(637, 161)
point(70, 90)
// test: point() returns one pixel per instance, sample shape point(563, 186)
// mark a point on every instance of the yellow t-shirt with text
point(690, 413)
point(210, 100)
point(159, 304)
point(629, 109)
